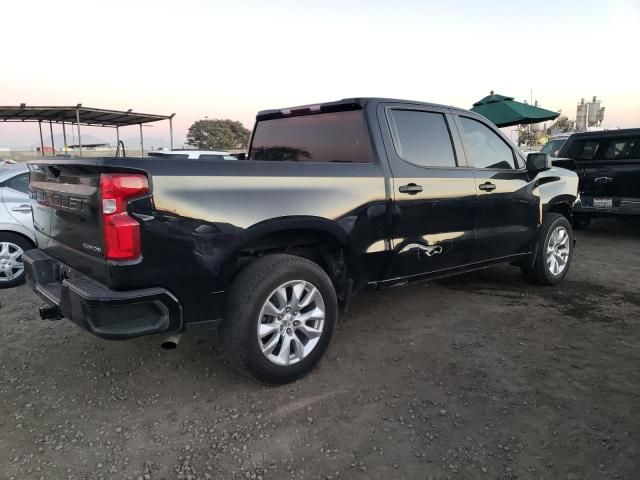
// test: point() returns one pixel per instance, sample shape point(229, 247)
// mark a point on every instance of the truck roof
point(356, 103)
point(608, 133)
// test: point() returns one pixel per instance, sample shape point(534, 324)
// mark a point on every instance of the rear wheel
point(280, 315)
point(12, 247)
point(554, 252)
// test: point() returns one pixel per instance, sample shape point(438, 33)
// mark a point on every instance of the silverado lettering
point(59, 200)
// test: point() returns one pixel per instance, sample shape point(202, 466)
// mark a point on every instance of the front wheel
point(554, 252)
point(280, 315)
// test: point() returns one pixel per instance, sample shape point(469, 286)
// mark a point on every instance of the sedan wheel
point(11, 265)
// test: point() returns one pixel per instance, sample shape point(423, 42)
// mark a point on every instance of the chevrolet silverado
point(331, 199)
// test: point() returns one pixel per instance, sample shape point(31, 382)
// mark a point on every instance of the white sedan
point(16, 223)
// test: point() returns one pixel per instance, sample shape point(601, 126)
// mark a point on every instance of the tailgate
point(67, 213)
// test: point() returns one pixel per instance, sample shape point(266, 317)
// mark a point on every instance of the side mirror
point(538, 162)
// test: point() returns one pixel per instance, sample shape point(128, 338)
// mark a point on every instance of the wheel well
point(317, 246)
point(562, 209)
point(18, 234)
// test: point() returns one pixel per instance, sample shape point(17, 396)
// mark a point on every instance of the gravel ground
point(479, 376)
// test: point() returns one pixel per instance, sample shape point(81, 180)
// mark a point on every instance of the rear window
point(324, 137)
point(208, 156)
point(177, 156)
point(622, 149)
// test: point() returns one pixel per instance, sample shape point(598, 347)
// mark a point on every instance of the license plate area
point(602, 203)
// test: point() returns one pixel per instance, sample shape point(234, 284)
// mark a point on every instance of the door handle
point(487, 187)
point(411, 189)
point(22, 208)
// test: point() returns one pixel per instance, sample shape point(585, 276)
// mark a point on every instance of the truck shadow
point(625, 227)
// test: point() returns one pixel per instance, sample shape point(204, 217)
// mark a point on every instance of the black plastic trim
point(104, 312)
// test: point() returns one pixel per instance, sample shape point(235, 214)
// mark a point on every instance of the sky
point(232, 58)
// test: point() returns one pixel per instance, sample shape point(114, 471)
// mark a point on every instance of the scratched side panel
point(200, 219)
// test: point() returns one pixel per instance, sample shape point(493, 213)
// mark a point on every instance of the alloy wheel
point(558, 250)
point(291, 322)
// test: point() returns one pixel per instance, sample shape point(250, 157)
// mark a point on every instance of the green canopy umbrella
point(505, 111)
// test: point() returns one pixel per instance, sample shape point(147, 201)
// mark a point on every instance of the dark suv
point(608, 164)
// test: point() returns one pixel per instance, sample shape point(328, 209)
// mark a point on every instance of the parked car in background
point(608, 165)
point(332, 199)
point(555, 143)
point(16, 225)
point(193, 154)
point(7, 161)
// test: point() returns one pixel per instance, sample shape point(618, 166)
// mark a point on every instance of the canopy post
point(171, 131)
point(141, 142)
point(64, 137)
point(41, 140)
point(53, 146)
point(78, 126)
point(117, 139)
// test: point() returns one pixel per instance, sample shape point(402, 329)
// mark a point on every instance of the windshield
point(552, 147)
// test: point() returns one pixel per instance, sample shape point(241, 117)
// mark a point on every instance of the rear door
point(15, 196)
point(433, 190)
point(508, 213)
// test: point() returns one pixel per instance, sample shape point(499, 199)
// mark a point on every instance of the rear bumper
point(619, 206)
point(98, 309)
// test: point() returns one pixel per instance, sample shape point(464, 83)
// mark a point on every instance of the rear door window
point(323, 137)
point(422, 138)
point(19, 183)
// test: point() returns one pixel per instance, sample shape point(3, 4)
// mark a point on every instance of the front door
point(434, 192)
point(508, 212)
point(15, 196)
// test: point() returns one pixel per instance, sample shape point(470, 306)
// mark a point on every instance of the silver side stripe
point(430, 250)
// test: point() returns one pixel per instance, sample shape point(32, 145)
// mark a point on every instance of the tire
point(560, 247)
point(247, 310)
point(581, 221)
point(11, 265)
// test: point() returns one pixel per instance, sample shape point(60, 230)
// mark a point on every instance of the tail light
point(121, 232)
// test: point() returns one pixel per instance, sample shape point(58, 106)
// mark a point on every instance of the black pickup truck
point(608, 165)
point(331, 198)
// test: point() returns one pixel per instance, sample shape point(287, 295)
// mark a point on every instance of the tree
point(217, 134)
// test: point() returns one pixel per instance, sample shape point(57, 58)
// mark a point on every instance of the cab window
point(422, 138)
point(485, 147)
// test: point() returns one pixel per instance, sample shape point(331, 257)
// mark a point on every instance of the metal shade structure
point(78, 115)
point(506, 112)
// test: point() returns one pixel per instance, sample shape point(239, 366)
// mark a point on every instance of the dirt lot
point(480, 376)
